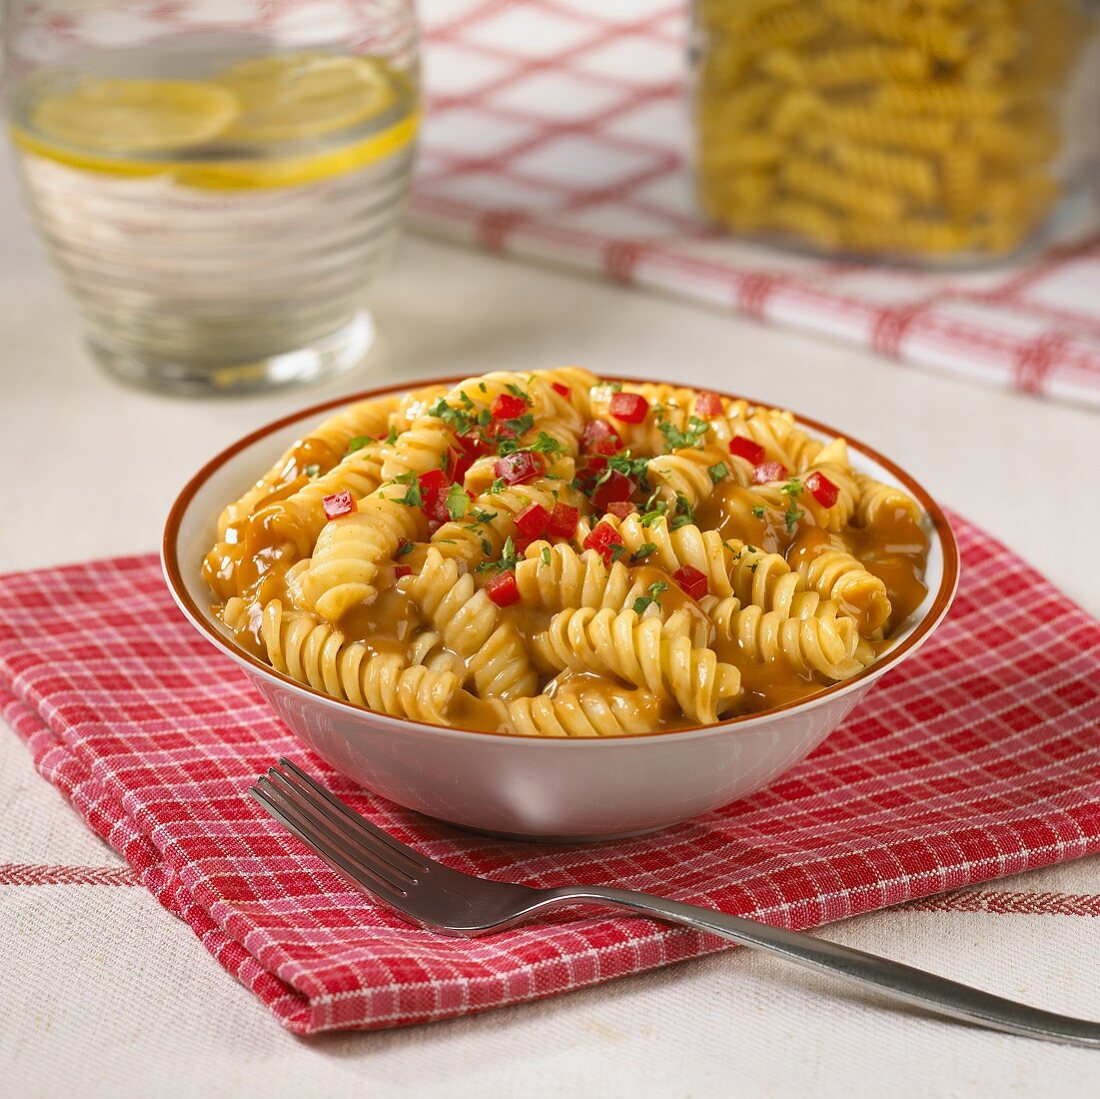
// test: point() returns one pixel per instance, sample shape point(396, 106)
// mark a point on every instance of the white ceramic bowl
point(551, 787)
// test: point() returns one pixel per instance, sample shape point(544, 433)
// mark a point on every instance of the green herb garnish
point(412, 497)
point(676, 439)
point(358, 443)
point(685, 513)
point(546, 444)
point(508, 558)
point(544, 555)
point(758, 511)
point(791, 516)
point(718, 472)
point(651, 517)
point(653, 594)
point(457, 502)
point(642, 552)
point(313, 470)
point(521, 424)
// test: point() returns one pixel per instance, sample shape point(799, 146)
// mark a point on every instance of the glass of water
point(217, 180)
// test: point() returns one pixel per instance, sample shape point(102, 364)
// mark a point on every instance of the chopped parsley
point(791, 517)
point(792, 488)
point(546, 444)
point(521, 424)
point(412, 497)
point(544, 556)
point(758, 511)
point(313, 470)
point(391, 435)
point(653, 595)
point(718, 472)
point(642, 552)
point(658, 511)
point(497, 486)
point(459, 420)
point(517, 392)
point(405, 547)
point(457, 502)
point(508, 558)
point(676, 439)
point(358, 443)
point(616, 551)
point(685, 513)
point(481, 516)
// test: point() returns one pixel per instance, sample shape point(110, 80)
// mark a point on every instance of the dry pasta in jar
point(903, 128)
point(552, 554)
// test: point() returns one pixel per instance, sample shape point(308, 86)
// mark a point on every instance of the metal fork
point(425, 892)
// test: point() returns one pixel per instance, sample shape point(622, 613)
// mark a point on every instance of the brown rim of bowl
point(942, 600)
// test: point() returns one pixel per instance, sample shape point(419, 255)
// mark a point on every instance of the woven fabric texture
point(978, 758)
point(559, 131)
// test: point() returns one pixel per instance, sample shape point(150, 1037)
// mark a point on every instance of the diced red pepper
point(508, 407)
point(518, 468)
point(339, 503)
point(621, 508)
point(433, 495)
point(603, 539)
point(615, 488)
point(822, 489)
point(401, 570)
point(432, 483)
point(458, 465)
point(692, 580)
point(503, 589)
point(769, 471)
point(747, 449)
point(631, 408)
point(562, 390)
point(474, 446)
point(532, 521)
point(563, 521)
point(708, 404)
point(600, 438)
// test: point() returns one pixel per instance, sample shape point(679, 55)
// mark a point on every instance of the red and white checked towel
point(978, 758)
point(558, 130)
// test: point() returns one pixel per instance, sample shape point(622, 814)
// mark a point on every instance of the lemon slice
point(305, 95)
point(136, 115)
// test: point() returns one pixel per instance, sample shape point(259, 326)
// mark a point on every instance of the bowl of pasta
point(549, 605)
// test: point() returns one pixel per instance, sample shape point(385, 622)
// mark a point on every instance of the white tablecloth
point(90, 469)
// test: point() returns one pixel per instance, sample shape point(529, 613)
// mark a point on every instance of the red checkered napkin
point(979, 757)
point(558, 130)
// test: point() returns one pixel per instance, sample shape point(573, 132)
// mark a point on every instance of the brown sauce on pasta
point(854, 587)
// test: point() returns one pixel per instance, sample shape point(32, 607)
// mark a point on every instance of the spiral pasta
point(550, 554)
point(471, 625)
point(349, 553)
point(638, 651)
point(607, 712)
point(867, 126)
point(316, 653)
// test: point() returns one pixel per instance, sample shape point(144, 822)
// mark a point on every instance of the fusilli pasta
point(550, 554)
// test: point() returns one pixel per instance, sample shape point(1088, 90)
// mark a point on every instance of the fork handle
point(899, 981)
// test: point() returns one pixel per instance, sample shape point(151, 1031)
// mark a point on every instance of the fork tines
point(351, 845)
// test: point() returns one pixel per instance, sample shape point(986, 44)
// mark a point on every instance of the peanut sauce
point(252, 560)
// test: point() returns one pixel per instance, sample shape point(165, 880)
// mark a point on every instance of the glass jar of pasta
point(926, 130)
